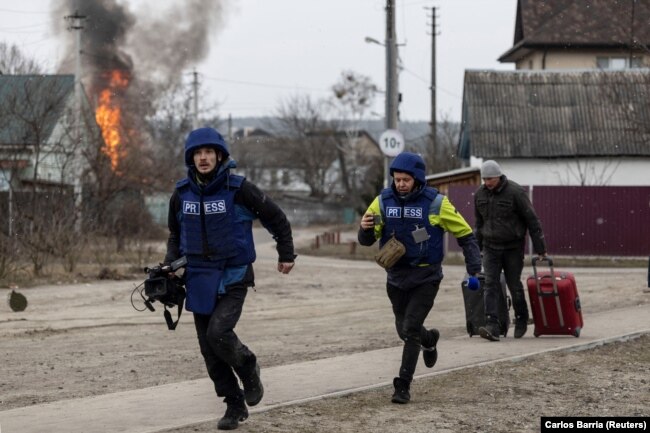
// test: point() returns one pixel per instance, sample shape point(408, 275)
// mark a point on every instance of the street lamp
point(370, 40)
point(390, 115)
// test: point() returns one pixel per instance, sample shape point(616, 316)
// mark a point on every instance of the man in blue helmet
point(210, 222)
point(417, 216)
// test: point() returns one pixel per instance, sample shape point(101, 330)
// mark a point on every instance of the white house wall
point(569, 59)
point(566, 172)
point(60, 160)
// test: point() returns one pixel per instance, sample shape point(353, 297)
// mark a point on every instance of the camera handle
point(148, 304)
point(171, 325)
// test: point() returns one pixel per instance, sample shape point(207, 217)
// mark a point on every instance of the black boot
point(521, 313)
point(401, 394)
point(521, 326)
point(236, 412)
point(430, 351)
point(250, 377)
point(490, 331)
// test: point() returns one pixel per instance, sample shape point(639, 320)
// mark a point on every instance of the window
point(618, 63)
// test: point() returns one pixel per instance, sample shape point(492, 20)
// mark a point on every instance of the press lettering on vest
point(393, 212)
point(191, 207)
point(218, 206)
point(413, 212)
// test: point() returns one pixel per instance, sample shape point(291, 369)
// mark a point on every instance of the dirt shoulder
point(612, 380)
point(86, 339)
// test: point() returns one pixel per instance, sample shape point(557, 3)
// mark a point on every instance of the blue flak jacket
point(216, 236)
point(401, 218)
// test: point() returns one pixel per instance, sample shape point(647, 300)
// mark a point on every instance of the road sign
point(391, 142)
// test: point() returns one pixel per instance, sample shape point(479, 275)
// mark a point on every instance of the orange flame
point(108, 115)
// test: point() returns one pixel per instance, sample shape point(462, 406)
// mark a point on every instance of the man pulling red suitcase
point(503, 216)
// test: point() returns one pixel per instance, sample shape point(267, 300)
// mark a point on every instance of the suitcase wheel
point(535, 334)
point(470, 328)
point(576, 332)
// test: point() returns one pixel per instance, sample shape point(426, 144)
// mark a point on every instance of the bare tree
point(14, 62)
point(312, 154)
point(445, 158)
point(168, 124)
point(353, 96)
point(9, 254)
point(41, 149)
point(586, 173)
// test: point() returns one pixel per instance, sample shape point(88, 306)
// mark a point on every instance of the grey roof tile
point(527, 114)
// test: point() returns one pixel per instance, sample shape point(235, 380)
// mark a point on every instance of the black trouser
point(410, 308)
point(223, 352)
point(511, 261)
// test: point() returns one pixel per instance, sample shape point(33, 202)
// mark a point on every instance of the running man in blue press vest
point(417, 216)
point(211, 213)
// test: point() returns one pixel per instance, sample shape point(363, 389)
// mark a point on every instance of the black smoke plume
point(156, 43)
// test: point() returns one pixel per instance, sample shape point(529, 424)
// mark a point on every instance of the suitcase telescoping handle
point(541, 294)
point(547, 259)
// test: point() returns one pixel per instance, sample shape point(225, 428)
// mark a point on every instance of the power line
point(29, 26)
point(13, 11)
point(27, 44)
point(428, 84)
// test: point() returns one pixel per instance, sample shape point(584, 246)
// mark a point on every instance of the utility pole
point(76, 24)
point(434, 126)
point(391, 67)
point(230, 128)
point(195, 86)
point(391, 78)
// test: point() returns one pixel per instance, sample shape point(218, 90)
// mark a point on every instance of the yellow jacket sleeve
point(450, 220)
point(376, 210)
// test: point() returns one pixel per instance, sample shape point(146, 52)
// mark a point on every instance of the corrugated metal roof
point(31, 105)
point(528, 114)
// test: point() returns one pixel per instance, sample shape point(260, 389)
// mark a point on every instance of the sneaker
point(235, 413)
point(490, 331)
point(253, 388)
point(430, 354)
point(401, 394)
point(521, 326)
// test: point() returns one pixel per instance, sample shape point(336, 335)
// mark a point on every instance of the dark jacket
point(210, 221)
point(503, 215)
point(250, 197)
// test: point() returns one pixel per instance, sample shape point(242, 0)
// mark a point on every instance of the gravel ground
point(86, 339)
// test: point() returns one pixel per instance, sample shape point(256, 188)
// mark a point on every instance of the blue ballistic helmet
point(411, 163)
point(204, 137)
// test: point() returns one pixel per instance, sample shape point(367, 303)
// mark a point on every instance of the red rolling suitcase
point(554, 301)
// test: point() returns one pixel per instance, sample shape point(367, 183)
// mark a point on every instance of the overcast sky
point(264, 51)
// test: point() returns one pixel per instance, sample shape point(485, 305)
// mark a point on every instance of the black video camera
point(167, 289)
